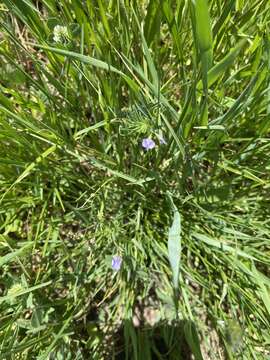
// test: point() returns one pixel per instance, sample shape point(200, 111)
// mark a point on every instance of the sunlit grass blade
point(174, 247)
point(82, 58)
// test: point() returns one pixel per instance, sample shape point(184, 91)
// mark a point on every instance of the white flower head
point(60, 33)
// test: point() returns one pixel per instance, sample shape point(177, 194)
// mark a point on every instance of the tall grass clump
point(134, 179)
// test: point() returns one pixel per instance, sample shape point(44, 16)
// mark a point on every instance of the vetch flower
point(116, 262)
point(60, 33)
point(148, 144)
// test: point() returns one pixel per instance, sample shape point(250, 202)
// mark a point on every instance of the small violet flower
point(116, 262)
point(148, 144)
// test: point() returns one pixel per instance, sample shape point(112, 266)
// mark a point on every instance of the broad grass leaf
point(174, 246)
point(203, 25)
point(152, 21)
point(263, 291)
point(203, 38)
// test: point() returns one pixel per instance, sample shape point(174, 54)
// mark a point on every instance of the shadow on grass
point(162, 341)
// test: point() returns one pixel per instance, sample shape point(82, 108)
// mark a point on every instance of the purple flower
point(148, 144)
point(116, 262)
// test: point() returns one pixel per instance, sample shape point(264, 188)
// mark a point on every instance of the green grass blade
point(217, 71)
point(203, 27)
point(23, 292)
point(192, 339)
point(152, 22)
point(222, 246)
point(82, 58)
point(13, 255)
point(174, 246)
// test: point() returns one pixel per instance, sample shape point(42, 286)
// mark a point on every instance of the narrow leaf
point(83, 58)
point(174, 246)
point(25, 291)
point(219, 69)
point(192, 339)
point(13, 255)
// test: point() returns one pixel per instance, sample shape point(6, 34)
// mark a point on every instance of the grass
point(76, 186)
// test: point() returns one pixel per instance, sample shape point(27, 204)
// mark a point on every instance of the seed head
point(60, 33)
